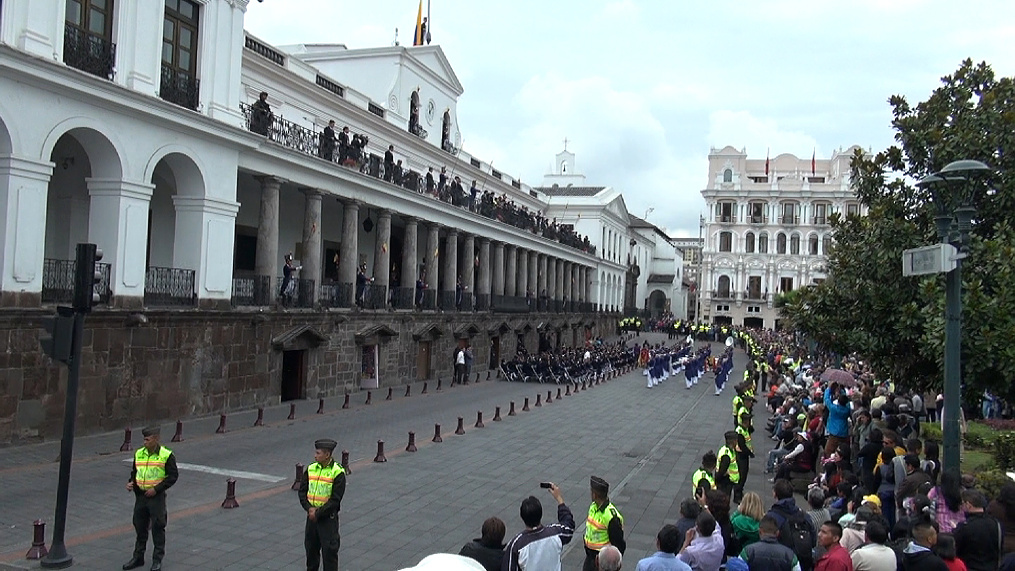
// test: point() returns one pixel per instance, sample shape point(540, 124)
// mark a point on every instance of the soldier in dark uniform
point(389, 164)
point(321, 489)
point(154, 471)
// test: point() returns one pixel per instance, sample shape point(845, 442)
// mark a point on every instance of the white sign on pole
point(928, 260)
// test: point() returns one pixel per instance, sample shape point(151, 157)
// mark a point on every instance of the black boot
point(134, 563)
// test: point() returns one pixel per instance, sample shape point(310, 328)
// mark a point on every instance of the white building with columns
point(767, 230)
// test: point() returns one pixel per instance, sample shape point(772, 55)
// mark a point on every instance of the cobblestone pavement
point(646, 442)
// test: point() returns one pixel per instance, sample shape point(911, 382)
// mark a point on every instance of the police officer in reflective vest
point(703, 480)
point(744, 450)
point(727, 474)
point(154, 471)
point(604, 526)
point(321, 489)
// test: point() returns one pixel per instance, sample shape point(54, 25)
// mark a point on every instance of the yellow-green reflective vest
point(597, 525)
point(151, 468)
point(747, 438)
point(734, 470)
point(320, 479)
point(699, 475)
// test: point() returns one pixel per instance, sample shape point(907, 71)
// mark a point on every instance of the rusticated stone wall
point(173, 364)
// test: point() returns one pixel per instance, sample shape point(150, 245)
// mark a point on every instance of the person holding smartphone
point(539, 546)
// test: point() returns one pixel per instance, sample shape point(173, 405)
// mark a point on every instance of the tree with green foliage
point(866, 305)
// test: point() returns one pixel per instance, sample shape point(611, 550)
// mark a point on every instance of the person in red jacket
point(836, 558)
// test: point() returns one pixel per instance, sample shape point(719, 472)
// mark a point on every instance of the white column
point(34, 27)
point(24, 185)
point(205, 229)
point(221, 40)
point(118, 225)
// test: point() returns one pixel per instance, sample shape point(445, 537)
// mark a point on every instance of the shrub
point(1000, 424)
point(990, 481)
point(930, 431)
point(1004, 450)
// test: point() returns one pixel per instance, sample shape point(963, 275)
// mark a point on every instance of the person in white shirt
point(875, 555)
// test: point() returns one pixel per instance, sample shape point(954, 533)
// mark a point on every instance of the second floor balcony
point(88, 52)
point(180, 87)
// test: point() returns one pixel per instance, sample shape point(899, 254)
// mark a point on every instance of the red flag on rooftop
point(814, 164)
point(766, 163)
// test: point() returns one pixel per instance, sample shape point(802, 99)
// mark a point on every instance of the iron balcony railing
point(58, 281)
point(404, 297)
point(337, 295)
point(297, 292)
point(252, 291)
point(88, 52)
point(169, 287)
point(180, 87)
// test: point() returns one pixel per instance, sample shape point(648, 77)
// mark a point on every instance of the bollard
point(437, 433)
point(512, 411)
point(390, 391)
point(498, 373)
point(230, 501)
point(438, 384)
point(412, 443)
point(320, 406)
point(549, 397)
point(299, 474)
point(370, 397)
point(346, 403)
point(260, 416)
point(126, 447)
point(408, 390)
point(423, 392)
point(568, 393)
point(488, 375)
point(178, 436)
point(496, 415)
point(38, 550)
point(461, 426)
point(222, 425)
point(380, 452)
point(479, 420)
point(558, 393)
point(345, 462)
point(292, 411)
point(477, 377)
point(525, 408)
point(539, 399)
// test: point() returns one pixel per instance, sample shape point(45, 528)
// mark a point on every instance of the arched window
point(725, 241)
point(794, 245)
point(763, 244)
point(724, 286)
point(780, 244)
point(727, 175)
point(446, 132)
point(812, 245)
point(826, 244)
point(563, 167)
point(414, 113)
point(749, 243)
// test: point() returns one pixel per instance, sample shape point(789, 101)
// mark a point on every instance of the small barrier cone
point(292, 411)
point(390, 393)
point(346, 403)
point(423, 392)
point(222, 425)
point(370, 397)
point(345, 462)
point(380, 452)
point(438, 384)
point(412, 443)
point(496, 415)
point(320, 406)
point(230, 501)
point(38, 550)
point(178, 436)
point(479, 420)
point(549, 397)
point(512, 412)
point(437, 433)
point(525, 407)
point(408, 390)
point(299, 473)
point(539, 399)
point(126, 446)
point(461, 426)
point(260, 416)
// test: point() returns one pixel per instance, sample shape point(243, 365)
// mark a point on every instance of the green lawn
point(974, 461)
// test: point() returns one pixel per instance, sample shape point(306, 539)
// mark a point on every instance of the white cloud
point(741, 129)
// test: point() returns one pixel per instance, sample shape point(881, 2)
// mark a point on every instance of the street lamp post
point(954, 221)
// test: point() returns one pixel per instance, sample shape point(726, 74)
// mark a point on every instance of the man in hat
point(727, 473)
point(604, 526)
point(154, 471)
point(321, 489)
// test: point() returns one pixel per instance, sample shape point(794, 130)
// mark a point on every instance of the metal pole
point(953, 367)
point(58, 557)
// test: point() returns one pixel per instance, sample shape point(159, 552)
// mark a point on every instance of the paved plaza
point(645, 442)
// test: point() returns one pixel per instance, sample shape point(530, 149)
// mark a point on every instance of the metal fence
point(169, 287)
point(58, 281)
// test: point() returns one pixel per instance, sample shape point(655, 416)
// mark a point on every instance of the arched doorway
point(176, 226)
point(85, 164)
point(657, 304)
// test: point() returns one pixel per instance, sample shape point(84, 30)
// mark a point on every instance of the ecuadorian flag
point(418, 39)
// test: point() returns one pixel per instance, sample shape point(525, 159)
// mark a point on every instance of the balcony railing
point(757, 219)
point(722, 294)
point(820, 220)
point(58, 281)
point(725, 219)
point(169, 287)
point(180, 87)
point(253, 291)
point(339, 295)
point(88, 52)
point(373, 296)
point(789, 220)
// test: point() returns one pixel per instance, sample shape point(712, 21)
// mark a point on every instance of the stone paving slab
point(645, 442)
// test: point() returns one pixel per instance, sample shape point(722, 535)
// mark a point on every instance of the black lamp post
point(952, 189)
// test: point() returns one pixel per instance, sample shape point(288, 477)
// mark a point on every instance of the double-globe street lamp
point(953, 189)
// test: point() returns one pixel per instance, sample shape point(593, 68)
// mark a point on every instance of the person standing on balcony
point(430, 186)
point(288, 289)
point(420, 287)
point(343, 144)
point(389, 164)
point(260, 115)
point(362, 281)
point(326, 145)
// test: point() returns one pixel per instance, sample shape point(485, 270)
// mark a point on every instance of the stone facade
point(179, 364)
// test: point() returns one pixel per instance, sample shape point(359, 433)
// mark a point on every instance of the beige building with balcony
point(767, 230)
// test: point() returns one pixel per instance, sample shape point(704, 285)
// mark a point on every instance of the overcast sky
point(643, 89)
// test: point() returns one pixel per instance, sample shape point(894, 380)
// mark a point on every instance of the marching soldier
point(321, 489)
point(604, 526)
point(154, 471)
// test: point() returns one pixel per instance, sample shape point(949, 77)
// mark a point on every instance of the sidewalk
point(645, 442)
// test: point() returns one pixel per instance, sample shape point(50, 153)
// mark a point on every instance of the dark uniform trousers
point(150, 511)
point(321, 536)
point(743, 464)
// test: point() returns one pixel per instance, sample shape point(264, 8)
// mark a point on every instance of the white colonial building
point(131, 125)
point(640, 267)
point(767, 230)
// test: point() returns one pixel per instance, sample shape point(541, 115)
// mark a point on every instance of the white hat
point(446, 562)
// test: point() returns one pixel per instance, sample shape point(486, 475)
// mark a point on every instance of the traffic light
point(86, 277)
point(59, 336)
